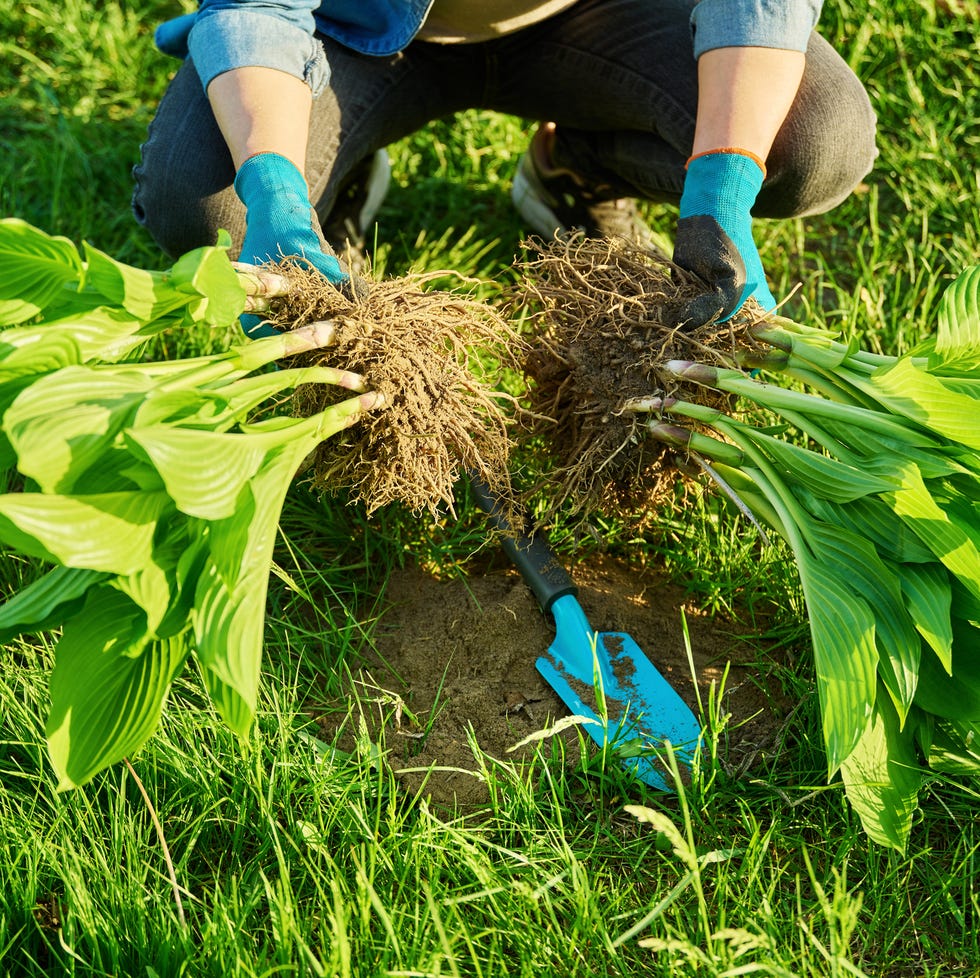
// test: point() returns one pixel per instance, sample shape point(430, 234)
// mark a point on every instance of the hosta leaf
point(47, 602)
point(958, 324)
point(821, 475)
point(204, 472)
point(34, 350)
point(101, 332)
point(207, 272)
point(919, 396)
point(64, 423)
point(36, 270)
point(852, 561)
point(845, 658)
point(955, 747)
point(954, 545)
point(110, 532)
point(137, 291)
point(956, 696)
point(229, 608)
point(228, 636)
point(151, 589)
point(108, 687)
point(882, 777)
point(929, 598)
point(871, 518)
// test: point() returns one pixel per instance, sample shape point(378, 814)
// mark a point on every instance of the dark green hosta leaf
point(955, 747)
point(108, 687)
point(821, 475)
point(845, 658)
point(953, 696)
point(852, 560)
point(47, 602)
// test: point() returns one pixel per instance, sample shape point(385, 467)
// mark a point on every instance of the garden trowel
point(603, 677)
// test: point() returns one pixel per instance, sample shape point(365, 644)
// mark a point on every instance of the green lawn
point(291, 859)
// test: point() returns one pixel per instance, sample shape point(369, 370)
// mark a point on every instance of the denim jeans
point(617, 76)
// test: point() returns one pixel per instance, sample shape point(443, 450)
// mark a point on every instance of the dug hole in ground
point(462, 651)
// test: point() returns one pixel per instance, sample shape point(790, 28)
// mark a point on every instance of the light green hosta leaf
point(954, 546)
point(101, 332)
point(202, 282)
point(204, 472)
point(229, 608)
point(882, 778)
point(929, 598)
point(845, 658)
point(111, 532)
point(33, 350)
point(142, 294)
point(47, 602)
point(919, 396)
point(108, 687)
point(958, 326)
point(36, 270)
point(151, 590)
point(64, 423)
point(208, 273)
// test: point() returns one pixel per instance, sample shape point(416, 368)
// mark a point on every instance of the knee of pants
point(180, 217)
point(822, 153)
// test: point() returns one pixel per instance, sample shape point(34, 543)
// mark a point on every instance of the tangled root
point(598, 339)
point(435, 356)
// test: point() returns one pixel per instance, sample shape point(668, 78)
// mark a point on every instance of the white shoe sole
point(535, 212)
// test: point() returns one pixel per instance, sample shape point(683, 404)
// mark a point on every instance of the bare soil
point(453, 669)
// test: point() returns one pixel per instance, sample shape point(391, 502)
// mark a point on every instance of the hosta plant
point(148, 489)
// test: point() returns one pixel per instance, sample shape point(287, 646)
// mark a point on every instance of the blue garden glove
point(281, 225)
point(714, 237)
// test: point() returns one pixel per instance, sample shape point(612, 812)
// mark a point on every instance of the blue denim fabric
point(753, 23)
point(233, 33)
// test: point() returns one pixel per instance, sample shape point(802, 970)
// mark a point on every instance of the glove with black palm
point(714, 236)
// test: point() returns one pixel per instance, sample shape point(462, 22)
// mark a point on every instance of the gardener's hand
point(714, 237)
point(281, 225)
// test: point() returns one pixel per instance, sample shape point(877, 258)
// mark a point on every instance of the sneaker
point(554, 200)
point(357, 206)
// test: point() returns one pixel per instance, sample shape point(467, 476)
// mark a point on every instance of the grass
point(294, 859)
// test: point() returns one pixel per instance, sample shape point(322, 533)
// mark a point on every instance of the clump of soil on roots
point(418, 347)
point(599, 310)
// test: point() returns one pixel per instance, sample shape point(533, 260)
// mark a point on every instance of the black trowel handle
point(531, 555)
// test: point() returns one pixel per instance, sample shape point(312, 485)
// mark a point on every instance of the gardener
point(734, 108)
